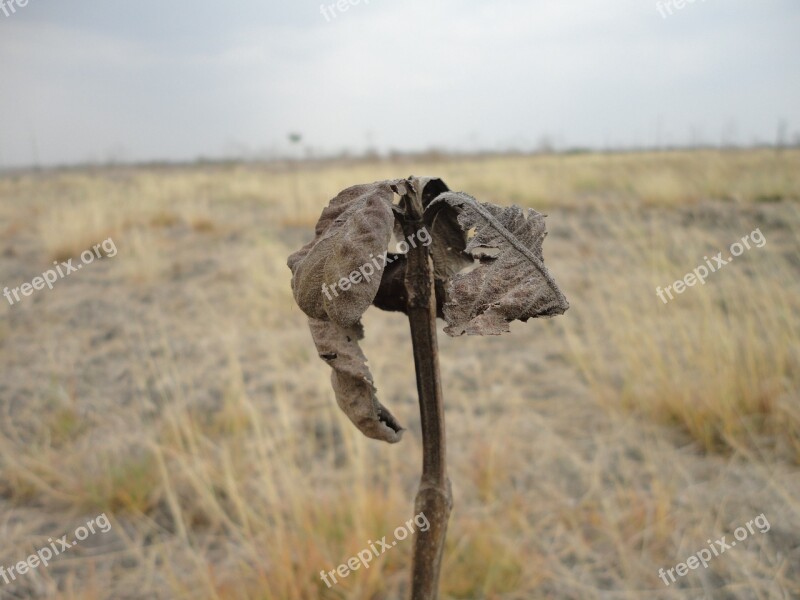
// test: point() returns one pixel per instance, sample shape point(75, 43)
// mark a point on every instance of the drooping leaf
point(352, 381)
point(488, 271)
point(510, 281)
point(352, 235)
point(353, 232)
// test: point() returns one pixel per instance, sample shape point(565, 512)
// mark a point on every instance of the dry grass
point(721, 359)
point(175, 388)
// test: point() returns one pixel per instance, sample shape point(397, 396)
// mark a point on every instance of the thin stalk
point(434, 497)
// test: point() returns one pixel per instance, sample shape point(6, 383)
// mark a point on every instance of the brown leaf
point(510, 281)
point(352, 233)
point(448, 248)
point(352, 381)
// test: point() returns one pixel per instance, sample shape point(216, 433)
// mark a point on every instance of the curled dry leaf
point(509, 281)
point(488, 270)
point(352, 381)
point(352, 231)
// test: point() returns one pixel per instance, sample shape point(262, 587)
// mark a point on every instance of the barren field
point(171, 385)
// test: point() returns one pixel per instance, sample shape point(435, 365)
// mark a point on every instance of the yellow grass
point(176, 388)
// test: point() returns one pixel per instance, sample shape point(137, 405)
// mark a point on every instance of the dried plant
point(481, 269)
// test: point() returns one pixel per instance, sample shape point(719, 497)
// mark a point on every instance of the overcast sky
point(98, 80)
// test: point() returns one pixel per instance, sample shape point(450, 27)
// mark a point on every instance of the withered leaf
point(510, 281)
point(448, 248)
point(353, 231)
point(488, 271)
point(352, 381)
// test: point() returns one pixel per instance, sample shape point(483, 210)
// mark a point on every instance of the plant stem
point(434, 497)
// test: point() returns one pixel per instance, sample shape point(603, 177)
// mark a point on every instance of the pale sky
point(95, 80)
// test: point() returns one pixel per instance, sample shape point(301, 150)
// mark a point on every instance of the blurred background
point(172, 385)
point(114, 82)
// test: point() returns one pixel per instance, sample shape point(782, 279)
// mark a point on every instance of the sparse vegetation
point(174, 388)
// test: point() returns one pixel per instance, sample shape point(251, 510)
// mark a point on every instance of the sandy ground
point(174, 388)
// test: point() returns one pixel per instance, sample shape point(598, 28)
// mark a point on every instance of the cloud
point(195, 78)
